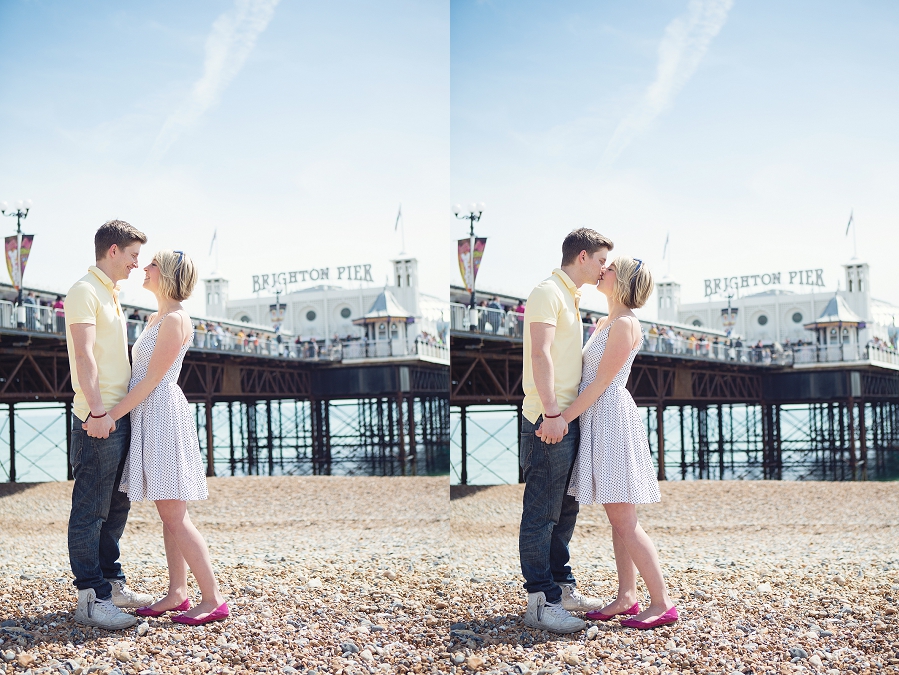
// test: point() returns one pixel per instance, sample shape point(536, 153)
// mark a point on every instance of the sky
point(292, 130)
point(745, 132)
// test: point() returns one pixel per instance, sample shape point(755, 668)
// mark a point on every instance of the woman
point(613, 467)
point(164, 462)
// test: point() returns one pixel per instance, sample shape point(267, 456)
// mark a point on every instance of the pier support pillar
point(401, 432)
point(853, 460)
point(210, 444)
point(463, 430)
point(660, 435)
point(862, 441)
point(12, 442)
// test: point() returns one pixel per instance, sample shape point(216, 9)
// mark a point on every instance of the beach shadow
point(478, 634)
point(463, 491)
point(9, 489)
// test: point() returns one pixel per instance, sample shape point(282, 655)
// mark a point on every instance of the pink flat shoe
point(146, 611)
point(221, 612)
point(668, 617)
point(599, 616)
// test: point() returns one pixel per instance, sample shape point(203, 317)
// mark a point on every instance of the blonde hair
point(633, 282)
point(177, 274)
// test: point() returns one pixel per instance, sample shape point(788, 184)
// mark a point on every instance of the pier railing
point(510, 324)
point(43, 319)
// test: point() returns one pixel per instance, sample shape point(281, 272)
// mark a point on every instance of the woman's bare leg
point(177, 574)
point(627, 579)
point(642, 552)
point(194, 552)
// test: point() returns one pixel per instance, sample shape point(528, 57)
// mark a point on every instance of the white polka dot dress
point(613, 463)
point(164, 460)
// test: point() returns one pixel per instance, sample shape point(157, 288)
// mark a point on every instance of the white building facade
point(325, 311)
point(767, 311)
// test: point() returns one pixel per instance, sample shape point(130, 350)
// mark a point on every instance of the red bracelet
point(97, 417)
point(551, 417)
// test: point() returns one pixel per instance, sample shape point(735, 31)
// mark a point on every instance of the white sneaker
point(575, 601)
point(122, 596)
point(101, 613)
point(550, 616)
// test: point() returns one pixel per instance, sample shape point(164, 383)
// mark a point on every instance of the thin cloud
point(682, 48)
point(228, 45)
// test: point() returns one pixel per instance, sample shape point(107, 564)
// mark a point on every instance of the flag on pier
point(665, 248)
point(848, 224)
point(399, 214)
point(17, 257)
point(469, 271)
point(212, 243)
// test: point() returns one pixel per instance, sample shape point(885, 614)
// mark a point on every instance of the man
point(100, 372)
point(553, 339)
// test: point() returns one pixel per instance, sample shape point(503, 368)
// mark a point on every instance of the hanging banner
point(12, 260)
point(27, 239)
point(469, 275)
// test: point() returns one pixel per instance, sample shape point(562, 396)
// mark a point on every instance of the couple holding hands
point(583, 442)
point(133, 436)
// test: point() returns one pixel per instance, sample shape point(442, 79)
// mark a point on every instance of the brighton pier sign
point(284, 279)
point(724, 285)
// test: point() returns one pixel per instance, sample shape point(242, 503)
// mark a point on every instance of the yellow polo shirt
point(94, 299)
point(554, 301)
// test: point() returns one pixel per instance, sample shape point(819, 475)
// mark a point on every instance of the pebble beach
point(769, 577)
point(322, 574)
point(368, 575)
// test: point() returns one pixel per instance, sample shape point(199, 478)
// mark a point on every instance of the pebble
point(475, 662)
point(143, 628)
point(815, 660)
point(25, 660)
point(592, 632)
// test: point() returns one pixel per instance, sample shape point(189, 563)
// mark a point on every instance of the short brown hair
point(116, 232)
point(177, 274)
point(633, 282)
point(583, 239)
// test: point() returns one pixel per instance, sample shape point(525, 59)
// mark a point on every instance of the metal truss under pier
point(255, 414)
point(704, 419)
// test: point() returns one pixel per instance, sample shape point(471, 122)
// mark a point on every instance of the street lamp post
point(473, 216)
point(21, 212)
point(730, 318)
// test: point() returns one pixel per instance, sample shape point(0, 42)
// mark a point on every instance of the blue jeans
point(99, 510)
point(548, 514)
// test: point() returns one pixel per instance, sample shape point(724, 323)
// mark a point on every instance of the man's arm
point(542, 334)
point(84, 336)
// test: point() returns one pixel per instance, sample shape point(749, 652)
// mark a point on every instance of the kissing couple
point(583, 441)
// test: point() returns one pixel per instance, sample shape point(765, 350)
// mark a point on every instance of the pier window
point(245, 319)
point(797, 317)
point(310, 315)
point(763, 319)
point(697, 322)
point(345, 312)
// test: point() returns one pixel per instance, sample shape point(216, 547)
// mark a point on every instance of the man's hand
point(99, 427)
point(552, 431)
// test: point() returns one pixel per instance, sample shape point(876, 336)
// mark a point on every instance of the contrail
point(228, 45)
point(685, 42)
